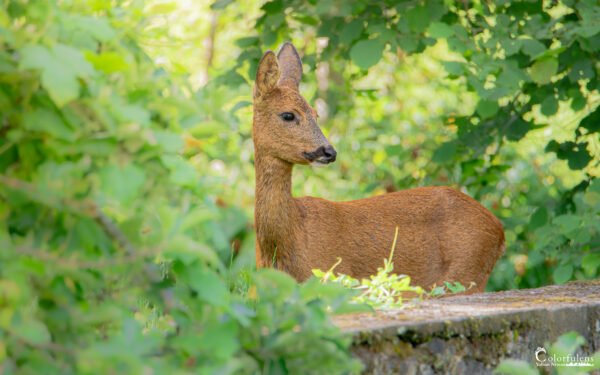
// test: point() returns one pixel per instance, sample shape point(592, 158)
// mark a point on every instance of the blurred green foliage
point(116, 255)
point(126, 176)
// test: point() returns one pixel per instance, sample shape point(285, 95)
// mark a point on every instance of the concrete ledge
point(472, 334)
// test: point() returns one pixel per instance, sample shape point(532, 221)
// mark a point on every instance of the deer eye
point(288, 116)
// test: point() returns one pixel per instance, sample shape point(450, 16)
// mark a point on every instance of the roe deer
point(444, 235)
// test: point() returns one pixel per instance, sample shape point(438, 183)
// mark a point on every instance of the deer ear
point(267, 74)
point(291, 66)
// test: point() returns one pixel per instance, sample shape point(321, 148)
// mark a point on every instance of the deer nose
point(322, 155)
point(329, 154)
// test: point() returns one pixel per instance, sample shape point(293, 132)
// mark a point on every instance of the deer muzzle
point(322, 155)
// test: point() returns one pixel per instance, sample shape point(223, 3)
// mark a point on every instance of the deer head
point(285, 125)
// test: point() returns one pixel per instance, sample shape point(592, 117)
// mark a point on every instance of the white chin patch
point(318, 164)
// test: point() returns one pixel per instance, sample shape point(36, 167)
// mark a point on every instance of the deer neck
point(276, 214)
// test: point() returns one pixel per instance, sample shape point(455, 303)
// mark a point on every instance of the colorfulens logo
point(543, 359)
point(540, 355)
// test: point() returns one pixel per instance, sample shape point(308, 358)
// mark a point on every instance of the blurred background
point(127, 178)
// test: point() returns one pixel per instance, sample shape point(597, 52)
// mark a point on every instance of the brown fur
point(443, 235)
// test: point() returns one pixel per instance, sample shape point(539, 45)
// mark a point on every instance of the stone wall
point(472, 334)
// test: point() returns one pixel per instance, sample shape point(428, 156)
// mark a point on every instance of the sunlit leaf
point(108, 62)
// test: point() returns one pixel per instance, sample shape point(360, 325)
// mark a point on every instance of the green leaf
point(88, 235)
point(589, 26)
point(567, 344)
point(440, 30)
point(188, 251)
point(515, 367)
point(591, 264)
point(445, 153)
point(517, 129)
point(592, 121)
point(538, 219)
point(408, 43)
point(367, 53)
point(207, 129)
point(219, 340)
point(221, 4)
point(99, 28)
point(169, 141)
point(305, 19)
point(32, 331)
point(246, 42)
point(487, 108)
point(74, 60)
point(46, 121)
point(209, 285)
point(61, 84)
point(579, 157)
point(454, 68)
point(182, 172)
point(273, 7)
point(576, 154)
point(131, 113)
point(60, 69)
point(578, 103)
point(351, 31)
point(510, 78)
point(582, 69)
point(122, 183)
point(592, 197)
point(438, 291)
point(165, 7)
point(455, 287)
point(313, 289)
point(543, 70)
point(549, 106)
point(274, 285)
point(418, 18)
point(239, 105)
point(107, 62)
point(34, 57)
point(511, 46)
point(567, 223)
point(532, 47)
point(562, 273)
point(596, 361)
